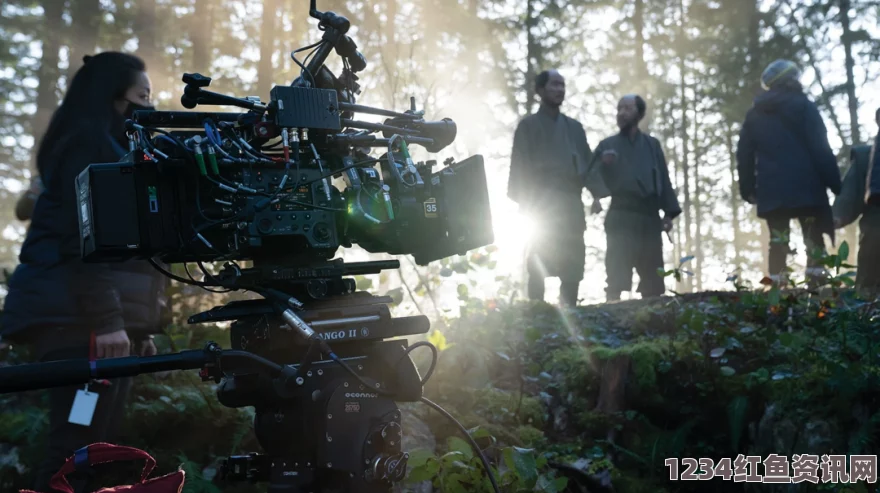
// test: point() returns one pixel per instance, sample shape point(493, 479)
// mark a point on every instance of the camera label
point(431, 207)
point(353, 407)
point(336, 335)
point(361, 395)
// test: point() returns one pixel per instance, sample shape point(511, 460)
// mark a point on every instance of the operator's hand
point(113, 345)
point(596, 207)
point(667, 224)
point(148, 347)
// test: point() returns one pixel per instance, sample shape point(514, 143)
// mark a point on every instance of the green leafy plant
point(461, 470)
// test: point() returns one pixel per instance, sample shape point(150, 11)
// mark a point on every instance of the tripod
point(326, 418)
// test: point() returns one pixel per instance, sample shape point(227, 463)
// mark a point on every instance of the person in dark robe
point(631, 168)
point(856, 200)
point(547, 176)
point(786, 168)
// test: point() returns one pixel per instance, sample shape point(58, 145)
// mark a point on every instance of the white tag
point(83, 407)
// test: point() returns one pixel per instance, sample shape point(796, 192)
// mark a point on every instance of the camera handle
point(210, 360)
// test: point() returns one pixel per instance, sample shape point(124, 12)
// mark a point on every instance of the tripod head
point(327, 423)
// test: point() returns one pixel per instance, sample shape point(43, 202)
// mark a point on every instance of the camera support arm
point(211, 360)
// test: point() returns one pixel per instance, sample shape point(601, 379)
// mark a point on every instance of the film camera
point(284, 185)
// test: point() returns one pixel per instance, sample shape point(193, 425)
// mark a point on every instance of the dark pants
point(561, 257)
point(780, 229)
point(633, 248)
point(868, 268)
point(568, 290)
point(65, 437)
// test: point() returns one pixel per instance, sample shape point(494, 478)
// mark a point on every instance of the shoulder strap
point(99, 453)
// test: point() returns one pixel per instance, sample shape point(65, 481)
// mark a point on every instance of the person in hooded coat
point(60, 306)
point(786, 167)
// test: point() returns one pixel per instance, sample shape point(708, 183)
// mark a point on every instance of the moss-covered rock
point(711, 375)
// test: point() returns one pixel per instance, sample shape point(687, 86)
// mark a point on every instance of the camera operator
point(60, 306)
point(547, 173)
point(631, 167)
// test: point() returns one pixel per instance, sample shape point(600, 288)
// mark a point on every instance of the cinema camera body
point(284, 185)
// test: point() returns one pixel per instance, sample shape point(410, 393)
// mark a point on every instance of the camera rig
point(259, 186)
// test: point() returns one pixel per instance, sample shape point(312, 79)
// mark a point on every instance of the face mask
point(132, 107)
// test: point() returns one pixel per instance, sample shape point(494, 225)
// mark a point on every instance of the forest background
point(697, 62)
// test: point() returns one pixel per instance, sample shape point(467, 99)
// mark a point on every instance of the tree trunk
point(754, 69)
point(201, 28)
point(685, 143)
point(85, 18)
point(734, 202)
point(47, 73)
point(391, 55)
point(846, 39)
point(642, 76)
point(531, 52)
point(850, 234)
point(265, 68)
point(145, 26)
point(698, 203)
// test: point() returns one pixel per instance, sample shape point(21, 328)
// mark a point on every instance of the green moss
point(600, 465)
point(644, 357)
point(574, 364)
point(530, 436)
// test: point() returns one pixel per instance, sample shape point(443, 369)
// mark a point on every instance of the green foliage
point(460, 469)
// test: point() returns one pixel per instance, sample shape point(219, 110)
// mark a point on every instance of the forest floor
point(595, 398)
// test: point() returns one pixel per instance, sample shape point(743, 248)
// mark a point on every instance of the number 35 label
point(431, 207)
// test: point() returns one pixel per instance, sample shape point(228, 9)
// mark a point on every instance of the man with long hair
point(59, 305)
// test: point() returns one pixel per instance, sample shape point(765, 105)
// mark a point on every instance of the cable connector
point(212, 159)
point(200, 160)
point(297, 324)
point(285, 143)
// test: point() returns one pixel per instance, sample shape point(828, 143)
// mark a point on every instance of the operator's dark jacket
point(52, 288)
point(784, 159)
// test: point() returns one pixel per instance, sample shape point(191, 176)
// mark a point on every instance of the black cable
point(306, 204)
point(469, 439)
point(433, 358)
point(302, 64)
point(175, 277)
point(213, 279)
